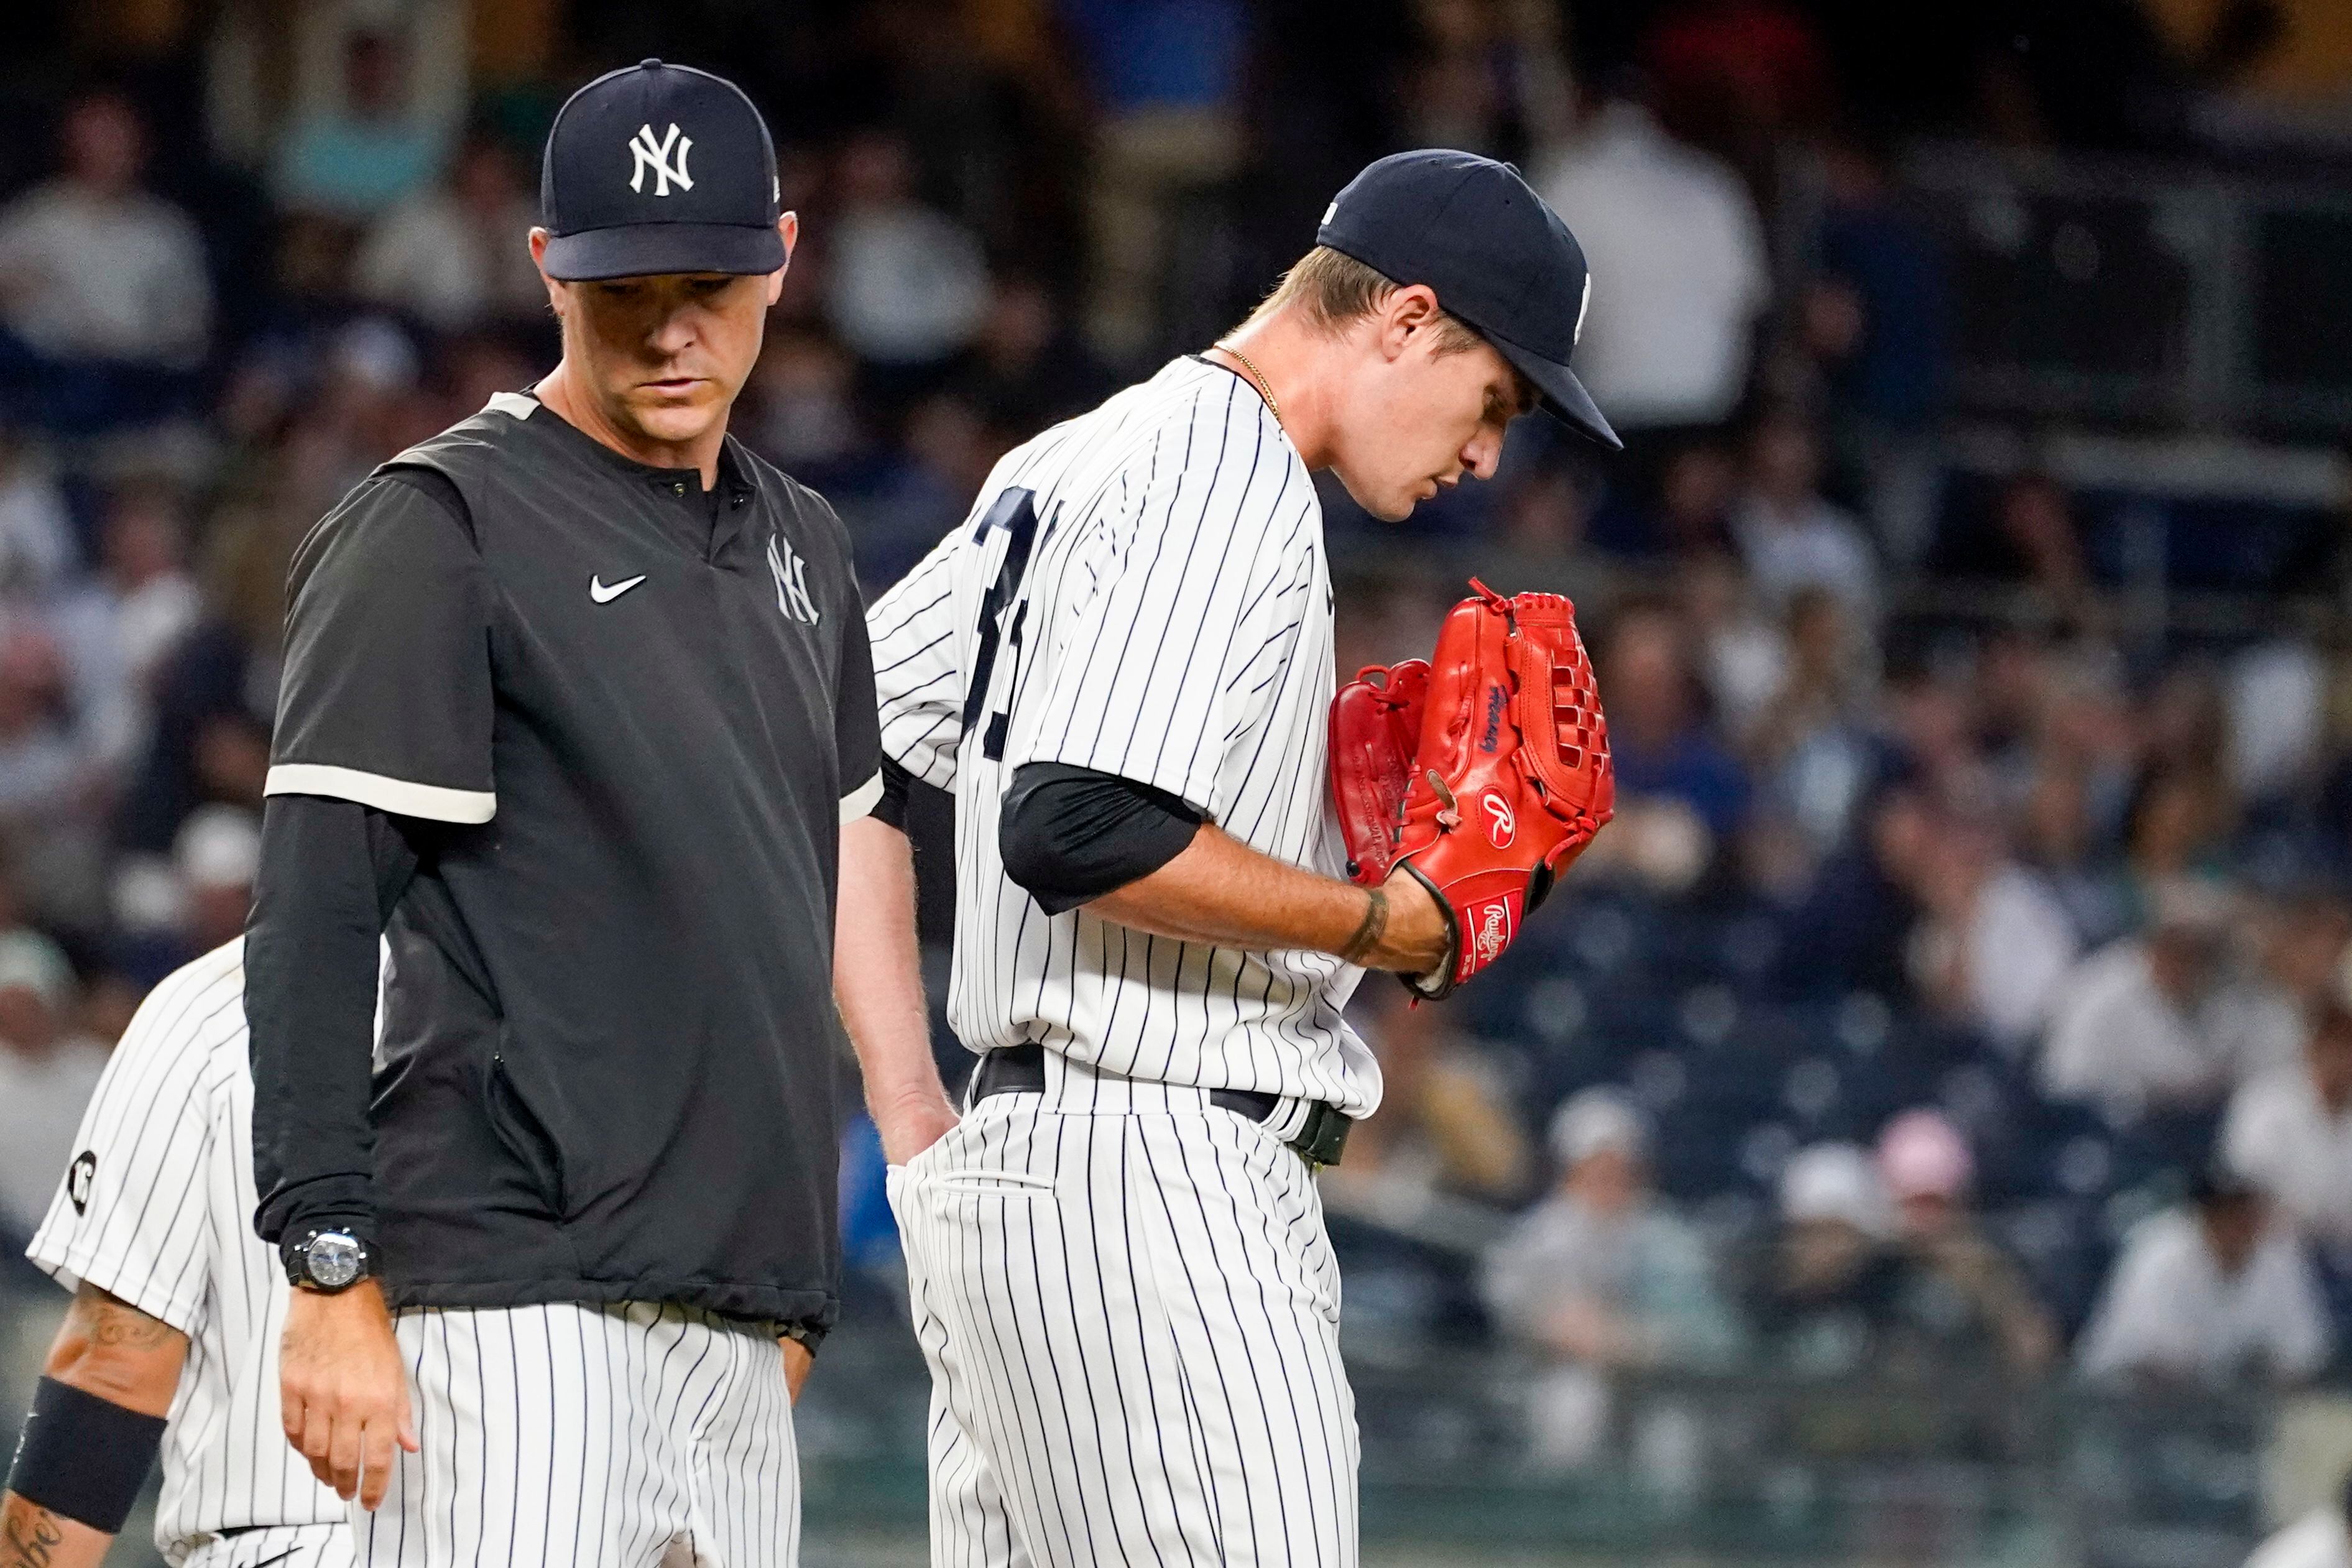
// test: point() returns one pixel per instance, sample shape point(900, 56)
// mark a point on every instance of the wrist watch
point(327, 1261)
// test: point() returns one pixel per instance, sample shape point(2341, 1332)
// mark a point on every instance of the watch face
point(333, 1260)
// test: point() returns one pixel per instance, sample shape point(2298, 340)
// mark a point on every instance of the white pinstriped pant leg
point(565, 1434)
point(1131, 1320)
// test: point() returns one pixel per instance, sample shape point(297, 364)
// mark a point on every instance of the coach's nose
point(672, 333)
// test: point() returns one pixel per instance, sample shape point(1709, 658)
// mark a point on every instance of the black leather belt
point(1021, 1069)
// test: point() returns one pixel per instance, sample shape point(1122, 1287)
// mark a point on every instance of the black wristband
point(83, 1457)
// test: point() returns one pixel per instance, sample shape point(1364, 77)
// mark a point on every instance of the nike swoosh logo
point(603, 595)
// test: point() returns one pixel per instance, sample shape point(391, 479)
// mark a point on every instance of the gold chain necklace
point(1257, 379)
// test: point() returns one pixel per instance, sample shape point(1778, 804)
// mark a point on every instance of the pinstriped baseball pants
point(572, 1435)
point(1132, 1316)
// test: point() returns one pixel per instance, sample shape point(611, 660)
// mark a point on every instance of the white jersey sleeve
point(1179, 608)
point(917, 680)
point(131, 1215)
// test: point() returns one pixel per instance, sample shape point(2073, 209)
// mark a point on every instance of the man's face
point(103, 143)
point(665, 355)
point(1607, 1181)
point(1416, 420)
point(2329, 1053)
point(2233, 1228)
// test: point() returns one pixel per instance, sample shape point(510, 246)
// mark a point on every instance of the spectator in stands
point(102, 284)
point(1858, 915)
point(1602, 1277)
point(1740, 73)
point(2261, 1018)
point(2035, 524)
point(117, 631)
point(1480, 76)
point(2178, 817)
point(906, 285)
point(215, 694)
point(348, 159)
point(1826, 1293)
point(1166, 77)
point(458, 256)
point(2055, 839)
point(216, 856)
point(46, 1073)
point(2275, 697)
point(2212, 1294)
point(45, 775)
point(1678, 262)
point(1790, 536)
point(1811, 747)
point(37, 542)
point(2320, 1539)
point(1958, 1299)
point(1029, 368)
point(1445, 1126)
point(1876, 320)
point(1995, 944)
point(947, 452)
point(2289, 1131)
point(1742, 655)
point(2131, 1030)
point(1681, 795)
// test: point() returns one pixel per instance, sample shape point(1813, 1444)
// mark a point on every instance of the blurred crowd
point(2102, 868)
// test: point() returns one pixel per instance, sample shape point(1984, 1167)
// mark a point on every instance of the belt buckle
point(1324, 1137)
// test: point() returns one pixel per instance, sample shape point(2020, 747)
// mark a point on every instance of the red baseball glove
point(1486, 770)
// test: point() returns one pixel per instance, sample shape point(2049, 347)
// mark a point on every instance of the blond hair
point(1333, 291)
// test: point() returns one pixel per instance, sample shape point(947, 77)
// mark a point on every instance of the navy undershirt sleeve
point(1068, 834)
point(897, 785)
point(332, 871)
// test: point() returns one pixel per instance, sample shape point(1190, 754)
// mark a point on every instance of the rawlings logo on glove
point(1504, 716)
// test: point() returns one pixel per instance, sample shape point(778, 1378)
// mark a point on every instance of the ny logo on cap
point(657, 156)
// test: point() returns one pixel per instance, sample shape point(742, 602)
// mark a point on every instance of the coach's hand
point(343, 1392)
point(797, 1362)
point(913, 1124)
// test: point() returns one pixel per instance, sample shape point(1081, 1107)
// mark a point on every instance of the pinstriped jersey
point(1140, 591)
point(157, 1209)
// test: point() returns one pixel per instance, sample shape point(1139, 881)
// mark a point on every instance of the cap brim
point(651, 249)
point(1564, 396)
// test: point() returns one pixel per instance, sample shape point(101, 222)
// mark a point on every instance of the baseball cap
point(1474, 230)
point(217, 847)
point(1921, 1156)
point(1833, 1181)
point(1595, 1120)
point(33, 961)
point(659, 168)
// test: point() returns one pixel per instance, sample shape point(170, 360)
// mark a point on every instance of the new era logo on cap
point(659, 169)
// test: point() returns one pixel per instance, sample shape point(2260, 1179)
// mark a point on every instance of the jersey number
point(1014, 511)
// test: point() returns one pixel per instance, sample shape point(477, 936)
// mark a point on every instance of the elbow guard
point(1068, 834)
point(82, 1456)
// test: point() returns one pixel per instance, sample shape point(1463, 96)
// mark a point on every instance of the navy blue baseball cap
point(659, 168)
point(1500, 261)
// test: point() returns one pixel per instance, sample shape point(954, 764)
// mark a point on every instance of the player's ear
point(1408, 311)
point(538, 237)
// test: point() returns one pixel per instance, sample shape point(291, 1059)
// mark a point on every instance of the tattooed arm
point(110, 1349)
point(33, 1537)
